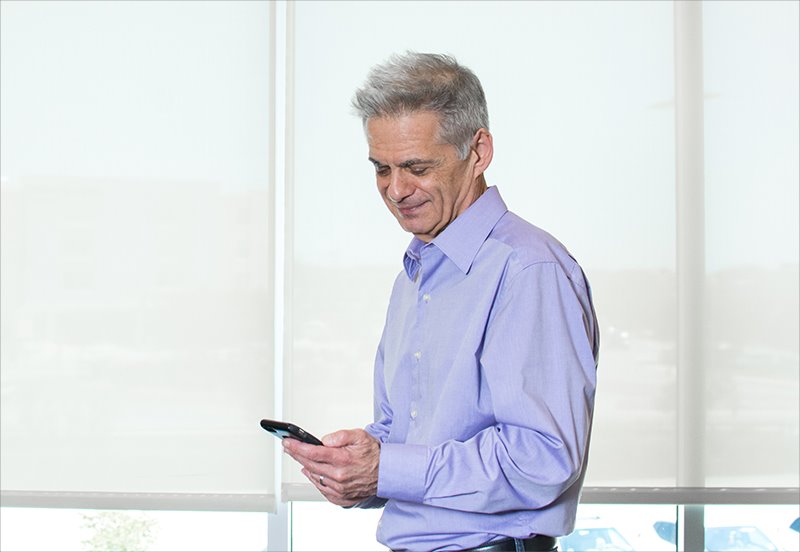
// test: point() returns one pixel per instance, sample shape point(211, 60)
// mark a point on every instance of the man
point(485, 374)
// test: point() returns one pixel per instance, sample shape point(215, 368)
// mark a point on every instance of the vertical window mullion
point(282, 73)
point(690, 262)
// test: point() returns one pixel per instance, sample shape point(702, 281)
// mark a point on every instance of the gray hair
point(426, 82)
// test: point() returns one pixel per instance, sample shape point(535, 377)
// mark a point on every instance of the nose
point(399, 187)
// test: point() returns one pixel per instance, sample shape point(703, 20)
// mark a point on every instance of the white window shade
point(752, 113)
point(581, 104)
point(136, 250)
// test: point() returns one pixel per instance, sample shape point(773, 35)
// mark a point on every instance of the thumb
point(340, 438)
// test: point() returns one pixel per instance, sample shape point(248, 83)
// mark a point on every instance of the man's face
point(420, 178)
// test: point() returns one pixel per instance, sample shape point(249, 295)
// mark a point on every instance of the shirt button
point(413, 414)
point(426, 297)
point(418, 355)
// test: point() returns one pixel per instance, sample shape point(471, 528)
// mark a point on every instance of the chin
point(413, 226)
point(410, 226)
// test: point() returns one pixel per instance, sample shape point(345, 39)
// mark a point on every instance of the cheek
point(440, 192)
point(382, 188)
point(433, 187)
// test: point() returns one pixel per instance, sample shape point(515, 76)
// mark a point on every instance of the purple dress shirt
point(484, 386)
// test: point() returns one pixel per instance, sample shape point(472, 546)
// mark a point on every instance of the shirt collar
point(463, 237)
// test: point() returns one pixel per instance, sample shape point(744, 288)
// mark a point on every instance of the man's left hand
point(345, 470)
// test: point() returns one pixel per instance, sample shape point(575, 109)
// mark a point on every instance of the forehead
point(396, 138)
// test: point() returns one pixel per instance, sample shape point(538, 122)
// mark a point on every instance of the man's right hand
point(345, 470)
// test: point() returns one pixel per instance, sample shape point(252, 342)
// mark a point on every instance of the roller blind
point(752, 170)
point(581, 104)
point(136, 249)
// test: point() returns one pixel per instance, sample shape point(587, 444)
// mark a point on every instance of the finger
point(345, 437)
point(296, 457)
point(339, 438)
point(336, 497)
point(329, 471)
point(320, 481)
point(342, 501)
point(311, 466)
point(315, 452)
point(331, 490)
point(298, 447)
point(305, 454)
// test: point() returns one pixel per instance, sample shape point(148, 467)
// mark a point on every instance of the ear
point(482, 150)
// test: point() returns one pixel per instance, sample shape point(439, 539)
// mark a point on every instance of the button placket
point(423, 297)
point(423, 282)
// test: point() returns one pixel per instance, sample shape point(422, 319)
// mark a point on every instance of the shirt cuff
point(401, 472)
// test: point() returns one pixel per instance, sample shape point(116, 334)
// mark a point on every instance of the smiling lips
point(409, 211)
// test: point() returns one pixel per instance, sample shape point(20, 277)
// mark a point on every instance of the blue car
point(723, 539)
point(594, 538)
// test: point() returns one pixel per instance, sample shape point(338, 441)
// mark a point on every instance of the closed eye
point(419, 167)
point(380, 168)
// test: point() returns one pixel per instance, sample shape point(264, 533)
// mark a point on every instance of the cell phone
point(283, 430)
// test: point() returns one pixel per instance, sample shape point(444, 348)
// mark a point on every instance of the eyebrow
point(408, 163)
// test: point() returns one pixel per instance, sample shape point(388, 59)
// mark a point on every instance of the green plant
point(118, 531)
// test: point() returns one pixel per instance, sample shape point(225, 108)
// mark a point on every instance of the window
point(104, 530)
point(136, 254)
point(152, 152)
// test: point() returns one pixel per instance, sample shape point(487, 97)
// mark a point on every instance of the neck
point(477, 190)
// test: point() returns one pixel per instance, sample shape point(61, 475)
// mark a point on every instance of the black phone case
point(283, 430)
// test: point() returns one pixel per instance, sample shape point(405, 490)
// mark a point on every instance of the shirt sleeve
point(382, 410)
point(383, 420)
point(539, 360)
